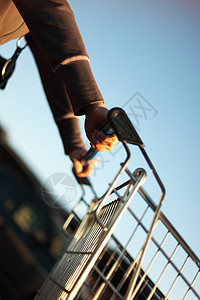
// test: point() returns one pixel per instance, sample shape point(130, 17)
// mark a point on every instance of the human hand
point(96, 116)
point(81, 168)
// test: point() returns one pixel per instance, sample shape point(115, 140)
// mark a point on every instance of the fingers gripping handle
point(118, 123)
point(107, 130)
point(91, 153)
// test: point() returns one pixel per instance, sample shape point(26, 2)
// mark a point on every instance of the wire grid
point(86, 244)
point(73, 261)
point(170, 270)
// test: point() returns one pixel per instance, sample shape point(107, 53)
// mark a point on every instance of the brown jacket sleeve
point(57, 96)
point(12, 25)
point(53, 27)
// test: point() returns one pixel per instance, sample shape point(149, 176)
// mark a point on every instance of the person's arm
point(58, 99)
point(67, 123)
point(53, 27)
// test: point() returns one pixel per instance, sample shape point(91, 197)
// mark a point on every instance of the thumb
point(78, 167)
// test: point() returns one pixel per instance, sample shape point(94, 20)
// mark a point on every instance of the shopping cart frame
point(120, 123)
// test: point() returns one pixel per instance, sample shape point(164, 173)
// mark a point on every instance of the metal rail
point(79, 274)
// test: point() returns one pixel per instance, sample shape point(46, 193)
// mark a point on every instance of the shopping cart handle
point(91, 153)
point(120, 124)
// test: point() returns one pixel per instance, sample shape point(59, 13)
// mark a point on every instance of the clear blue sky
point(150, 47)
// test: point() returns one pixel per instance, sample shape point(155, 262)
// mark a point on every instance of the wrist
point(77, 154)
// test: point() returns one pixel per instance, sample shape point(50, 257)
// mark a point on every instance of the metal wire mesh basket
point(151, 261)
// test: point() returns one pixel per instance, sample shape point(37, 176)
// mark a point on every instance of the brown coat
point(11, 23)
point(60, 54)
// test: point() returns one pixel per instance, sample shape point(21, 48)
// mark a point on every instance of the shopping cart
point(152, 261)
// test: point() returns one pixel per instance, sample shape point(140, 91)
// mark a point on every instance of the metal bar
point(118, 260)
point(105, 267)
point(169, 226)
point(108, 283)
point(110, 189)
point(161, 275)
point(78, 252)
point(59, 285)
point(166, 222)
point(165, 255)
point(178, 275)
point(156, 216)
point(190, 287)
point(149, 266)
point(70, 218)
point(105, 239)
